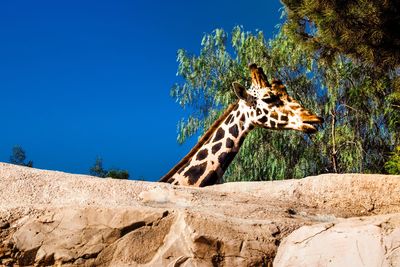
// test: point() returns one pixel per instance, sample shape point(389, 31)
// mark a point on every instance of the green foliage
point(18, 157)
point(367, 31)
point(98, 170)
point(356, 103)
point(349, 96)
point(118, 174)
point(392, 166)
point(392, 110)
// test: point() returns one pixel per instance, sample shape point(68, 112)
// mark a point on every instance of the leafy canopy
point(18, 157)
point(393, 164)
point(366, 31)
point(98, 170)
point(348, 95)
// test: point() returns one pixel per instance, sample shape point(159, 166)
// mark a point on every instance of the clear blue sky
point(80, 79)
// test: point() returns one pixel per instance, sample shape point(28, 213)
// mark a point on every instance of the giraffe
point(263, 105)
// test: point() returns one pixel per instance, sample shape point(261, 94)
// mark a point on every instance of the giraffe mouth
point(309, 124)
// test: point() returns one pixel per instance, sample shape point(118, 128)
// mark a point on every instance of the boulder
point(364, 241)
point(56, 218)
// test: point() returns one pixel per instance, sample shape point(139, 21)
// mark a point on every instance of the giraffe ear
point(240, 91)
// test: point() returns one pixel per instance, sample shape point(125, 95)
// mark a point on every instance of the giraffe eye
point(271, 99)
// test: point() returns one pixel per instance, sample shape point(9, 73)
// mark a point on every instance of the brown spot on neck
point(204, 139)
point(194, 173)
point(225, 159)
point(219, 135)
point(234, 131)
point(202, 154)
point(211, 179)
point(274, 115)
point(216, 148)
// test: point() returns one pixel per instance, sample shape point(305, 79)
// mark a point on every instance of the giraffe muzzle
point(313, 119)
point(309, 122)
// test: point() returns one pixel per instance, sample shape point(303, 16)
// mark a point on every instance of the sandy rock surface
point(362, 241)
point(53, 218)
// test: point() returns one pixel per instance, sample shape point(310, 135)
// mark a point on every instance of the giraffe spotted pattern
point(262, 105)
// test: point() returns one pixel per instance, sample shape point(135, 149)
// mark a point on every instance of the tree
point(367, 31)
point(18, 157)
point(98, 170)
point(392, 166)
point(348, 95)
point(118, 174)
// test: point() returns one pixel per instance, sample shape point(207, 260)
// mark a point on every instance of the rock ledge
point(55, 218)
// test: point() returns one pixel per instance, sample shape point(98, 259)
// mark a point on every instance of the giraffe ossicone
point(262, 105)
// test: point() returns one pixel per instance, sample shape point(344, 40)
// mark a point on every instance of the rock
point(364, 241)
point(68, 234)
point(55, 218)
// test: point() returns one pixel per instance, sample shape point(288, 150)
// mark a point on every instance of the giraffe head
point(269, 105)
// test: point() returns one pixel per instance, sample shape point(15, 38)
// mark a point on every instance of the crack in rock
point(326, 227)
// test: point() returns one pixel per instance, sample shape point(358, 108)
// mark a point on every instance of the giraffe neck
point(211, 159)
